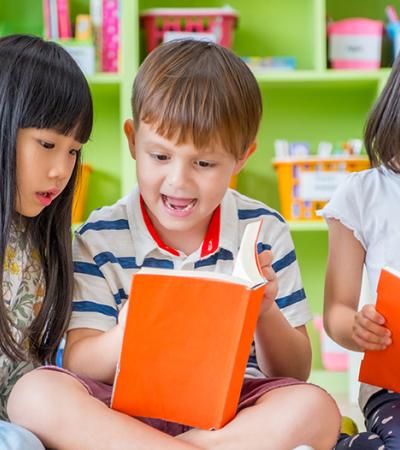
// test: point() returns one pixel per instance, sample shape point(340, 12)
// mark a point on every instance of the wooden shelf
point(104, 78)
point(307, 225)
point(324, 76)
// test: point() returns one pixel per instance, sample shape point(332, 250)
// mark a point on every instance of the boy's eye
point(46, 144)
point(159, 157)
point(204, 164)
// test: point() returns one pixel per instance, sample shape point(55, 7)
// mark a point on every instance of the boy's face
point(181, 187)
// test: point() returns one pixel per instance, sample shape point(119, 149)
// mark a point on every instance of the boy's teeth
point(178, 204)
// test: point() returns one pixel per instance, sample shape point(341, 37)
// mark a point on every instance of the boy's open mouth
point(178, 204)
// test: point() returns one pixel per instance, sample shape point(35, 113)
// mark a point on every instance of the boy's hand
point(368, 330)
point(271, 289)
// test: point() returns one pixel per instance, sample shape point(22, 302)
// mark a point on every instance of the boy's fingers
point(265, 258)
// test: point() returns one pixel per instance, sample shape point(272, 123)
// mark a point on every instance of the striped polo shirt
point(116, 241)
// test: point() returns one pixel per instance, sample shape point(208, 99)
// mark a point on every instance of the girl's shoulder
point(375, 175)
point(368, 182)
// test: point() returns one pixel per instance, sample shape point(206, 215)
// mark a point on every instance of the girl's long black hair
point(41, 86)
point(382, 130)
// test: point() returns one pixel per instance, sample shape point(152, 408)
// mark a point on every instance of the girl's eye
point(75, 151)
point(47, 145)
point(204, 164)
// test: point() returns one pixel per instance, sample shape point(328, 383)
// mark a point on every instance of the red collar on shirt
point(211, 240)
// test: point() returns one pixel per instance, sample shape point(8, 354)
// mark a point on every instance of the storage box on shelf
point(355, 43)
point(164, 24)
point(306, 184)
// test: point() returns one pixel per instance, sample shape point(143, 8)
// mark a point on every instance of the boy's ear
point(242, 161)
point(129, 130)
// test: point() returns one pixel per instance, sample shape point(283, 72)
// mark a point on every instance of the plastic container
point(80, 196)
point(355, 43)
point(306, 184)
point(165, 24)
point(393, 31)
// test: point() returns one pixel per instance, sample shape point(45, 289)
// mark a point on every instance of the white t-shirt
point(368, 203)
point(118, 240)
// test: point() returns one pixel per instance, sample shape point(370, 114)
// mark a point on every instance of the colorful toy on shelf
point(165, 24)
point(306, 182)
point(266, 63)
point(83, 28)
point(355, 43)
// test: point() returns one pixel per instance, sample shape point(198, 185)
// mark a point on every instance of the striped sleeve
point(291, 297)
point(94, 304)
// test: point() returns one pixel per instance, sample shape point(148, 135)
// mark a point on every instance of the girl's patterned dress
point(23, 292)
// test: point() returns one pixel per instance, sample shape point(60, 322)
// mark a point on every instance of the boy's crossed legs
point(60, 410)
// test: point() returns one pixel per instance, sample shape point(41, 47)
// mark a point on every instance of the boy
point(196, 110)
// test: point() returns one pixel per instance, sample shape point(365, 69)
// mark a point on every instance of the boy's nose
point(178, 176)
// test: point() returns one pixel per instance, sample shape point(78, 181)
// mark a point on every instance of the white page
point(245, 270)
point(246, 266)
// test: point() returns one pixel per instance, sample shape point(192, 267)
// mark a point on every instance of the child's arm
point(354, 330)
point(95, 353)
point(281, 349)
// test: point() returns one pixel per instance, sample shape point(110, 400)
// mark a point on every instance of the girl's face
point(45, 162)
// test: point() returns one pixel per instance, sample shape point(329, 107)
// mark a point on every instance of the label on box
point(197, 36)
point(355, 47)
point(319, 186)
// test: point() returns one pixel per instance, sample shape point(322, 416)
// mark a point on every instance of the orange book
point(187, 341)
point(382, 367)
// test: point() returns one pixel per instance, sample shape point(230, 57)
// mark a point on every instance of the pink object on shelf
point(334, 357)
point(110, 36)
point(64, 21)
point(355, 43)
point(214, 24)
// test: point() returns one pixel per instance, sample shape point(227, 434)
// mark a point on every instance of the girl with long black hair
point(46, 115)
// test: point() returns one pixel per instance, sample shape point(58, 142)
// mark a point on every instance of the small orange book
point(187, 340)
point(382, 367)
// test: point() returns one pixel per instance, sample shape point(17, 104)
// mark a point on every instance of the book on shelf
point(382, 367)
point(56, 19)
point(187, 340)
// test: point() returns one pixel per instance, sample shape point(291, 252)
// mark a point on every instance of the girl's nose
point(61, 168)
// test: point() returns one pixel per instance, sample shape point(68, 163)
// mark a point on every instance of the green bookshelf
point(313, 103)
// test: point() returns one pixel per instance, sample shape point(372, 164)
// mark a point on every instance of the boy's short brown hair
point(198, 92)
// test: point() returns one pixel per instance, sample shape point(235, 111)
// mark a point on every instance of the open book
point(382, 367)
point(187, 340)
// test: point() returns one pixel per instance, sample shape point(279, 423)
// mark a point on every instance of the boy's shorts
point(252, 390)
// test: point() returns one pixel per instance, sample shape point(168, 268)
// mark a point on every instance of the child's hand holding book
point(271, 288)
point(369, 331)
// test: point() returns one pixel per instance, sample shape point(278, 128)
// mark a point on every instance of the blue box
point(393, 31)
